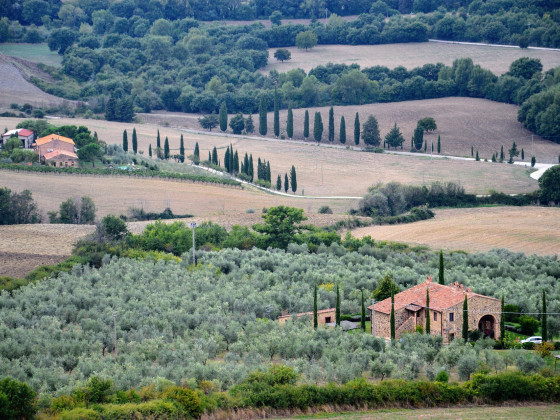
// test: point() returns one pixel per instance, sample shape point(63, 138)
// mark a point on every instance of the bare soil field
point(409, 55)
point(116, 195)
point(462, 122)
point(532, 230)
point(513, 412)
point(15, 87)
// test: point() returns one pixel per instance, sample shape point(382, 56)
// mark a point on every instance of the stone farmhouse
point(56, 150)
point(26, 136)
point(324, 316)
point(445, 312)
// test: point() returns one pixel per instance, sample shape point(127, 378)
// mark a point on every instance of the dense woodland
point(126, 55)
point(174, 320)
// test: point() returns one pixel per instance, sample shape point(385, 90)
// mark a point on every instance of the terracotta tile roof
point(441, 297)
point(25, 132)
point(55, 153)
point(321, 311)
point(51, 137)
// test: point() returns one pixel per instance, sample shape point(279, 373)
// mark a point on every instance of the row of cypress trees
point(337, 309)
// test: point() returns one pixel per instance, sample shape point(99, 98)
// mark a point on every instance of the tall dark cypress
point(465, 331)
point(231, 159)
point(226, 160)
point(150, 150)
point(306, 125)
point(315, 317)
point(223, 117)
point(331, 125)
point(214, 156)
point(246, 164)
point(125, 141)
point(439, 143)
point(290, 123)
point(293, 179)
point(318, 127)
point(235, 167)
point(251, 169)
point(392, 319)
point(286, 183)
point(357, 129)
point(342, 135)
point(441, 274)
point(166, 148)
point(134, 141)
point(268, 173)
point(196, 154)
point(363, 318)
point(337, 308)
point(158, 141)
point(428, 320)
point(182, 149)
point(544, 326)
point(502, 322)
point(262, 118)
point(279, 183)
point(276, 113)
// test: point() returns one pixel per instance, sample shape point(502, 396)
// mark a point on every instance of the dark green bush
point(515, 386)
point(186, 399)
point(17, 400)
point(442, 376)
point(528, 325)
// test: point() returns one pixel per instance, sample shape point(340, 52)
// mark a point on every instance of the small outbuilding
point(445, 312)
point(26, 136)
point(324, 316)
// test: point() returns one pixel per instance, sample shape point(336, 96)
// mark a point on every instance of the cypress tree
point(235, 166)
point(337, 308)
point(158, 141)
point(249, 125)
point(262, 118)
point(432, 145)
point(441, 274)
point(411, 143)
point(134, 141)
point(226, 161)
point(363, 318)
point(318, 127)
point(290, 123)
point(418, 138)
point(502, 322)
point(331, 125)
point(477, 157)
point(286, 183)
point(276, 113)
point(465, 332)
point(522, 154)
point(246, 164)
point(425, 145)
point(125, 141)
point(342, 136)
point(534, 160)
point(182, 149)
point(196, 154)
point(439, 143)
point(472, 151)
point(279, 183)
point(502, 154)
point(293, 179)
point(357, 129)
point(150, 150)
point(428, 320)
point(268, 174)
point(209, 157)
point(544, 326)
point(166, 148)
point(392, 320)
point(370, 132)
point(251, 169)
point(315, 317)
point(214, 156)
point(306, 125)
point(223, 117)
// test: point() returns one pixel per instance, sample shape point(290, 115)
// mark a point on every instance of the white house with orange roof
point(26, 136)
point(445, 312)
point(56, 150)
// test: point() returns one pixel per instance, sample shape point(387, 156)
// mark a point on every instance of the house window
point(328, 320)
point(451, 317)
point(435, 316)
point(451, 337)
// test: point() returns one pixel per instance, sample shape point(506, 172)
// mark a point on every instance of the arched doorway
point(486, 326)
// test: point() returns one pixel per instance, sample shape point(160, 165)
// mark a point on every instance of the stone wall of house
point(322, 317)
point(55, 144)
point(383, 322)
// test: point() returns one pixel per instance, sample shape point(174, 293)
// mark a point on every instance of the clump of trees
point(18, 208)
point(74, 212)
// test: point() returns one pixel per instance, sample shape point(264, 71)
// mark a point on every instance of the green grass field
point(37, 53)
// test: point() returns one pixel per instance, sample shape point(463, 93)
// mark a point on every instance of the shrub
point(186, 399)
point(545, 349)
point(527, 346)
point(98, 390)
point(17, 400)
point(64, 402)
point(442, 376)
point(528, 325)
point(515, 386)
point(528, 364)
point(80, 414)
point(325, 210)
point(156, 409)
point(467, 365)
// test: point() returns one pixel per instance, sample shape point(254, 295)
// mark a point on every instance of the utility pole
point(115, 333)
point(193, 225)
point(372, 317)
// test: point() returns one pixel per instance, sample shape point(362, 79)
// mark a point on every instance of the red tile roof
point(25, 132)
point(55, 153)
point(441, 297)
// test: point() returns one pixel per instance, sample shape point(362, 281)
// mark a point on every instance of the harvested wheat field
point(512, 412)
point(410, 55)
point(462, 122)
point(115, 195)
point(532, 230)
